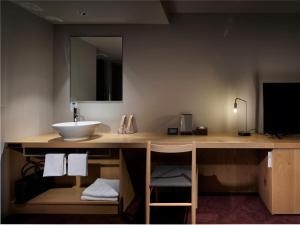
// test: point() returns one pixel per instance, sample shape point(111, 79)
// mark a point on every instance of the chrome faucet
point(76, 114)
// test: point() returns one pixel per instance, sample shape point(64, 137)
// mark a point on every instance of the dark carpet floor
point(238, 209)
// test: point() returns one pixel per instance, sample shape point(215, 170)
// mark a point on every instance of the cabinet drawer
point(279, 185)
point(286, 181)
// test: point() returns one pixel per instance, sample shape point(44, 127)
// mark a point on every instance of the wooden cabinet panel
point(227, 170)
point(286, 181)
point(265, 180)
point(297, 181)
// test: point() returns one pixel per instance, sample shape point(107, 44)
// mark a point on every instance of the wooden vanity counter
point(139, 140)
point(278, 184)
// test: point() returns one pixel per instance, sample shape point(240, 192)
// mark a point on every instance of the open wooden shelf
point(65, 196)
point(65, 201)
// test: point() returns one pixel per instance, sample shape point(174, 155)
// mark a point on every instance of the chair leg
point(193, 214)
point(194, 206)
point(147, 210)
point(148, 178)
point(147, 214)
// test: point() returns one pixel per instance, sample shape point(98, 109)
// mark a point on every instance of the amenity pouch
point(31, 185)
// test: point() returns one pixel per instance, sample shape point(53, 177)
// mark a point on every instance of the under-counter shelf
point(65, 201)
point(65, 196)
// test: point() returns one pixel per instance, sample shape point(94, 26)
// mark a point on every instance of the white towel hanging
point(78, 164)
point(55, 165)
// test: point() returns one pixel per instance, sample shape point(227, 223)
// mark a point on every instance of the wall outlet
point(269, 159)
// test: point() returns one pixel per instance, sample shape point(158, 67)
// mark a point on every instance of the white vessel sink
point(76, 131)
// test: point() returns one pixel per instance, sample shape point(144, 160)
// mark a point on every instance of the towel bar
point(92, 153)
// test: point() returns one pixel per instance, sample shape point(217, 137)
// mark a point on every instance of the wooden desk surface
point(139, 140)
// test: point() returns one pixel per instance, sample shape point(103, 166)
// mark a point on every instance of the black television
point(281, 109)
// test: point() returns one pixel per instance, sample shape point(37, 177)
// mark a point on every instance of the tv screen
point(281, 108)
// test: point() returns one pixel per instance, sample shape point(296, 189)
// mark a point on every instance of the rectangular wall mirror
point(96, 69)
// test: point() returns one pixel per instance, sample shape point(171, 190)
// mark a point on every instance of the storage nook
point(64, 196)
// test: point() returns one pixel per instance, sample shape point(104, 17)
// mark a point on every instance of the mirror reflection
point(96, 69)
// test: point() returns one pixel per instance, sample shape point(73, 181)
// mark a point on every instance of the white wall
point(1, 142)
point(83, 62)
point(197, 64)
point(26, 79)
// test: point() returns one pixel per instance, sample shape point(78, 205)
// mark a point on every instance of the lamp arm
point(239, 99)
point(235, 100)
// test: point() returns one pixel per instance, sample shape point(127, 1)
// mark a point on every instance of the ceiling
point(145, 11)
point(232, 6)
point(97, 11)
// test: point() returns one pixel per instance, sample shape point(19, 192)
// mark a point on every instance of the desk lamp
point(245, 132)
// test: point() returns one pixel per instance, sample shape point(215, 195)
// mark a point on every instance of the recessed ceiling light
point(82, 12)
point(32, 7)
point(54, 19)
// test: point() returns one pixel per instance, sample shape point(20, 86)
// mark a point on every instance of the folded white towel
point(77, 164)
point(171, 171)
point(104, 188)
point(55, 165)
point(171, 176)
point(89, 198)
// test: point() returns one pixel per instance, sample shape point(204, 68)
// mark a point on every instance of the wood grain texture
point(173, 204)
point(65, 201)
point(166, 149)
point(236, 167)
point(69, 198)
point(297, 181)
point(65, 196)
point(63, 209)
point(110, 172)
point(147, 186)
point(126, 188)
point(265, 180)
point(139, 140)
point(228, 170)
point(78, 182)
point(194, 191)
point(286, 181)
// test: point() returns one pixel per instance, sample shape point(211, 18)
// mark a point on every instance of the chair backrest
point(172, 148)
point(169, 148)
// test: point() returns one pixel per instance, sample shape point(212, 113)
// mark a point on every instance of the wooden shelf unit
point(278, 186)
point(67, 200)
point(65, 196)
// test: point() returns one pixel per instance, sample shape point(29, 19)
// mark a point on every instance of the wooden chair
point(172, 182)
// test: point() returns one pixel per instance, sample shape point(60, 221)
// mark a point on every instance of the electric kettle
point(186, 123)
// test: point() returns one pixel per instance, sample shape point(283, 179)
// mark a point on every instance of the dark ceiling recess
point(230, 6)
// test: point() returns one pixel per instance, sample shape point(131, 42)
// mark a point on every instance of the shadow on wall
point(103, 128)
point(212, 184)
point(160, 124)
point(256, 80)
